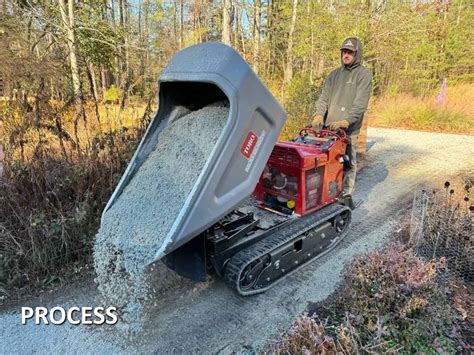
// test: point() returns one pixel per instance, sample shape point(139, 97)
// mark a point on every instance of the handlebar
point(340, 134)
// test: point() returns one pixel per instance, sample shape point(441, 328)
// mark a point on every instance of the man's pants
point(350, 175)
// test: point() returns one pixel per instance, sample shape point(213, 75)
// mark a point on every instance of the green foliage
point(112, 94)
point(300, 104)
point(410, 45)
point(97, 43)
point(409, 49)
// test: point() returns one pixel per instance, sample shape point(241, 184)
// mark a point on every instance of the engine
point(303, 175)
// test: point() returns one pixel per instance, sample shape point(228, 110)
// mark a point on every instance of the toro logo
point(249, 144)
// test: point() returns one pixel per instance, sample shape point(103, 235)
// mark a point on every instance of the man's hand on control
point(317, 120)
point(339, 124)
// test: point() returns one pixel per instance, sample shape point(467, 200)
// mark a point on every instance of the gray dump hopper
point(195, 77)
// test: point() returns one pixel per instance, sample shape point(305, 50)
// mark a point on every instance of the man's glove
point(317, 120)
point(339, 124)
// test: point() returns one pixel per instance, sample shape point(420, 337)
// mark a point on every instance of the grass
point(403, 111)
point(455, 115)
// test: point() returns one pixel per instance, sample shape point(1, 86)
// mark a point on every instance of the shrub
point(52, 192)
point(309, 335)
point(390, 301)
point(300, 104)
point(395, 295)
point(112, 94)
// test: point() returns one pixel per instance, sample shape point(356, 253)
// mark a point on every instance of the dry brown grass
point(456, 115)
point(59, 173)
point(403, 111)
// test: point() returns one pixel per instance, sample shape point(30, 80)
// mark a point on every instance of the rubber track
point(240, 260)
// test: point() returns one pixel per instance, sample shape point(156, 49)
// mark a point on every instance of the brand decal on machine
point(249, 144)
point(254, 149)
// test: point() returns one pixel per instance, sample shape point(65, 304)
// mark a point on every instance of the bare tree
point(175, 21)
point(239, 36)
point(181, 24)
point(117, 58)
point(69, 23)
point(67, 16)
point(289, 53)
point(257, 8)
point(227, 21)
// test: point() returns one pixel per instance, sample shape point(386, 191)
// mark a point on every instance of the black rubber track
point(240, 260)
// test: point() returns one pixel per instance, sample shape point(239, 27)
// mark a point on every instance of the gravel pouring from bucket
point(201, 155)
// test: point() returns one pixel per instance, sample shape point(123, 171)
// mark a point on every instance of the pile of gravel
point(137, 223)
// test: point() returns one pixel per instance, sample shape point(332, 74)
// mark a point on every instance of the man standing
point(344, 100)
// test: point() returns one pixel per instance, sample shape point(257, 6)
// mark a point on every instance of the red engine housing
point(304, 175)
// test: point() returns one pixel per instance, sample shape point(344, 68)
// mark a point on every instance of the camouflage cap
point(349, 44)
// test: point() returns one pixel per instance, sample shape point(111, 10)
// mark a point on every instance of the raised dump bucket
point(195, 78)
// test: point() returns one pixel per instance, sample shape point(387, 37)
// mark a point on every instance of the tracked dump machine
point(260, 209)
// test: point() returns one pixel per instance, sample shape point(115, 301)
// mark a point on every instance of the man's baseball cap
point(349, 44)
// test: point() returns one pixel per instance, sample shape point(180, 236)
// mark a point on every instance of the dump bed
point(194, 78)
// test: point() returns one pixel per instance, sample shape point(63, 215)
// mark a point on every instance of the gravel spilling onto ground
point(212, 318)
point(136, 225)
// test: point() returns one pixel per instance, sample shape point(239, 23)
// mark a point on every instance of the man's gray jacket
point(346, 92)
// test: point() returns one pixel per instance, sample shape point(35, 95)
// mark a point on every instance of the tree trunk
point(289, 53)
point(257, 7)
point(103, 81)
point(226, 21)
point(68, 21)
point(175, 22)
point(117, 44)
point(198, 10)
point(126, 33)
point(94, 91)
point(240, 31)
point(307, 22)
point(120, 13)
point(268, 36)
point(103, 10)
point(146, 35)
point(181, 24)
point(121, 38)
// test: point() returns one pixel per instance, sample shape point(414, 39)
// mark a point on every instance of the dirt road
point(213, 319)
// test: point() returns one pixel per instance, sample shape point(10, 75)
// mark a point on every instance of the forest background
point(78, 86)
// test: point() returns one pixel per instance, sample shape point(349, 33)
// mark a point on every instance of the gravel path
point(210, 318)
